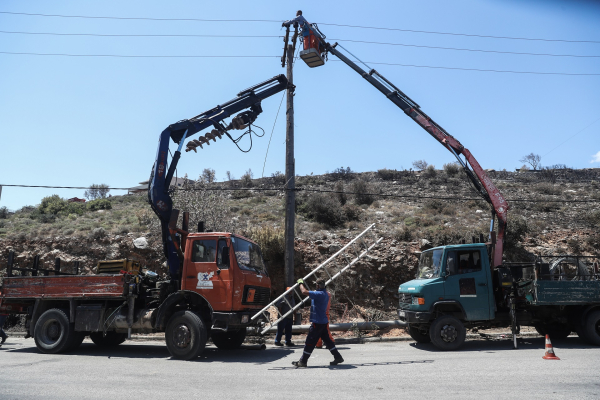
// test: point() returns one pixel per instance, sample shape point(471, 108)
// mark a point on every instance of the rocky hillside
point(412, 210)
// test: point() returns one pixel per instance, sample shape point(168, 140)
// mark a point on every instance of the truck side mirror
point(224, 257)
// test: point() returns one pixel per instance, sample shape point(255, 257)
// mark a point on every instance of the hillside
point(331, 210)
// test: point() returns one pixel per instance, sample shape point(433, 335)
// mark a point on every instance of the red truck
point(224, 282)
point(216, 282)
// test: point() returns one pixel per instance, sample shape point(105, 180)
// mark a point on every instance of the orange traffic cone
point(549, 350)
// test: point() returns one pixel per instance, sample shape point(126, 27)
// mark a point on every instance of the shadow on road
point(246, 354)
point(353, 366)
point(505, 344)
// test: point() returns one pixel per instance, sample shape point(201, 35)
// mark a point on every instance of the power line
point(462, 34)
point(280, 36)
point(323, 191)
point(139, 35)
point(139, 18)
point(463, 49)
point(243, 56)
point(279, 21)
point(578, 132)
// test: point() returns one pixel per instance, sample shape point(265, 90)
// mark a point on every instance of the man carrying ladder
point(319, 309)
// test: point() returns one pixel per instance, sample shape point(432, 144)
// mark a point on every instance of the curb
point(350, 340)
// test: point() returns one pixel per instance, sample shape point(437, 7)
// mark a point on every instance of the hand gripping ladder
point(358, 246)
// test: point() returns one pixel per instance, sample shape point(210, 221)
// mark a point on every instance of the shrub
point(390, 174)
point(362, 192)
point(430, 171)
point(247, 178)
point(278, 178)
point(342, 173)
point(100, 204)
point(271, 241)
point(352, 212)
point(420, 165)
point(403, 234)
point(451, 169)
point(515, 232)
point(3, 212)
point(323, 208)
point(98, 233)
point(208, 175)
point(96, 191)
point(547, 188)
point(342, 197)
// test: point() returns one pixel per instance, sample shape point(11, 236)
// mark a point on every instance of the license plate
point(401, 314)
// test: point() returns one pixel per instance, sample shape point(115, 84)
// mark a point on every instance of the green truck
point(456, 289)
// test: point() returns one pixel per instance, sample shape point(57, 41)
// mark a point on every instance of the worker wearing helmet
point(320, 303)
point(310, 38)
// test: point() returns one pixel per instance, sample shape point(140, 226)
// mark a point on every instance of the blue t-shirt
point(319, 306)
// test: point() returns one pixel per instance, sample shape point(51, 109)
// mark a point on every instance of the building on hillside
point(143, 186)
point(76, 200)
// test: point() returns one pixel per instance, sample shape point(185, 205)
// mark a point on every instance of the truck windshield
point(429, 264)
point(248, 255)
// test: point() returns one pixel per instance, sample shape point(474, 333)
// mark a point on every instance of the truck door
point(206, 274)
point(467, 283)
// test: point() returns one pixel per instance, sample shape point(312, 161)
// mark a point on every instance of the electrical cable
point(272, 130)
point(326, 191)
point(279, 21)
point(242, 56)
point(139, 35)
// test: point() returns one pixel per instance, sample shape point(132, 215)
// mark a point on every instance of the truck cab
point(453, 281)
point(228, 271)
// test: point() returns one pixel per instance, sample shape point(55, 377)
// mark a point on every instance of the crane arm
point(160, 178)
point(476, 174)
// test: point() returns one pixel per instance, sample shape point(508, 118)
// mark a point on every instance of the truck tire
point(228, 340)
point(447, 333)
point(418, 334)
point(53, 333)
point(591, 330)
point(185, 335)
point(556, 331)
point(111, 339)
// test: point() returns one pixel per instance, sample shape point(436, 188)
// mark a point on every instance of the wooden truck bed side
point(62, 287)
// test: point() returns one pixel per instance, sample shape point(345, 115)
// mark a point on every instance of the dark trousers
point(2, 320)
point(285, 325)
point(316, 332)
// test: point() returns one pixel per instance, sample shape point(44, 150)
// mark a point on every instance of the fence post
point(76, 267)
point(36, 265)
point(57, 266)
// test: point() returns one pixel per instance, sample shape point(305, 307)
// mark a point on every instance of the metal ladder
point(361, 251)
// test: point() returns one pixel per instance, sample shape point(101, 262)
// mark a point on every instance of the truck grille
point(261, 296)
point(405, 300)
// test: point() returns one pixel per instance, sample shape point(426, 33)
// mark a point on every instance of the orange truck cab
point(228, 271)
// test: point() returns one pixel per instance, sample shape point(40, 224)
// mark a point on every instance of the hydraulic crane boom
point(160, 179)
point(314, 53)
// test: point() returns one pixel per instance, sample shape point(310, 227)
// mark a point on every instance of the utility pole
point(290, 170)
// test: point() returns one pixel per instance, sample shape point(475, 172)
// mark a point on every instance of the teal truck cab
point(455, 289)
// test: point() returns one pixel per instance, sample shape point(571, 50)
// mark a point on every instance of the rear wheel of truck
point(111, 339)
point(228, 340)
point(186, 335)
point(591, 329)
point(447, 333)
point(419, 334)
point(556, 331)
point(53, 332)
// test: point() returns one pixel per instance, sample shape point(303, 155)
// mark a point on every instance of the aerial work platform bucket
point(312, 58)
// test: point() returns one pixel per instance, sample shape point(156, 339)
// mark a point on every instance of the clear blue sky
point(74, 121)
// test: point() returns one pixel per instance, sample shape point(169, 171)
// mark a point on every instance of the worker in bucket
point(320, 304)
point(285, 325)
point(309, 38)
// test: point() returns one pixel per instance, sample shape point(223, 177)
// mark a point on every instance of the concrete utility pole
point(290, 173)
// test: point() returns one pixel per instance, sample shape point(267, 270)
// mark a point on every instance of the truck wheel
point(53, 332)
point(419, 334)
point(229, 340)
point(556, 331)
point(447, 333)
point(186, 335)
point(111, 339)
point(591, 330)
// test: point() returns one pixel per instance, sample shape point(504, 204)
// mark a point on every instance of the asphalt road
point(144, 370)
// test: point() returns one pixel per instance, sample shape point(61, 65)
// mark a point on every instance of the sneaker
point(4, 339)
point(289, 344)
point(299, 364)
point(336, 361)
point(278, 344)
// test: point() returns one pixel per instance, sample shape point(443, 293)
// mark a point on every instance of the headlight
point(418, 300)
